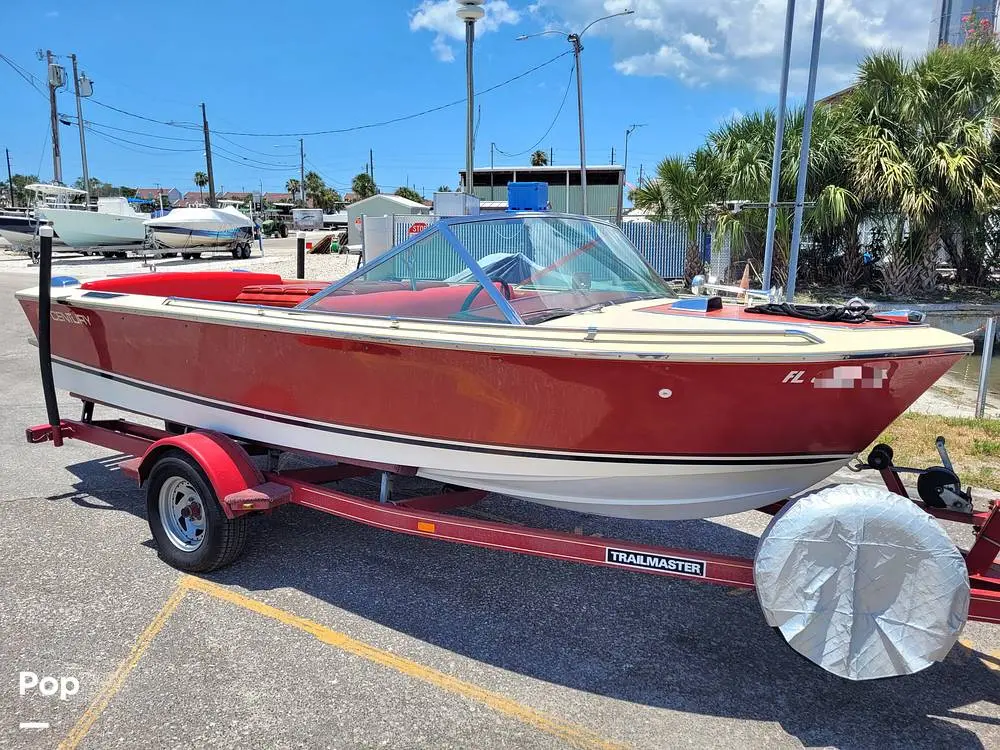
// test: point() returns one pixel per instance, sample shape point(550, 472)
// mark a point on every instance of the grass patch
point(973, 445)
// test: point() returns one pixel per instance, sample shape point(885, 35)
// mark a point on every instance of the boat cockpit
point(516, 268)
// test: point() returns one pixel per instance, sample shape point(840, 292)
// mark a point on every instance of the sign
point(417, 227)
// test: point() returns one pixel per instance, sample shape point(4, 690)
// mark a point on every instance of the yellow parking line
point(575, 736)
point(111, 688)
point(990, 660)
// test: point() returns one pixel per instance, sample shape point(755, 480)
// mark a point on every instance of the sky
point(678, 67)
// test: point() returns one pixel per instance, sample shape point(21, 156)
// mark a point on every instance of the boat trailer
point(241, 488)
point(207, 483)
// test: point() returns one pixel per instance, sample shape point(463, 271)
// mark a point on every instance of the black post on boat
point(45, 331)
point(300, 256)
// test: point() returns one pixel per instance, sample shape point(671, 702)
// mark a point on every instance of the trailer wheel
point(192, 532)
point(246, 251)
point(237, 253)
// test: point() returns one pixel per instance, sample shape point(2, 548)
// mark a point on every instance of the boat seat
point(280, 295)
point(214, 286)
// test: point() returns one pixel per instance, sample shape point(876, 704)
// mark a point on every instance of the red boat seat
point(215, 286)
point(280, 295)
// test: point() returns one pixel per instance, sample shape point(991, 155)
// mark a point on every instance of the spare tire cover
point(862, 582)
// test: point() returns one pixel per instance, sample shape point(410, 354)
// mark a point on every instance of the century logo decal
point(60, 316)
point(650, 561)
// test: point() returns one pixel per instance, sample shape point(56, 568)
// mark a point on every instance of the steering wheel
point(504, 288)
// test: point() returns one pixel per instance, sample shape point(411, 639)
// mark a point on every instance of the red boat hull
point(489, 406)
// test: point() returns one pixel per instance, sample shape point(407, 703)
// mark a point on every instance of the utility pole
point(492, 145)
point(78, 84)
point(208, 158)
point(371, 167)
point(10, 180)
point(56, 79)
point(469, 12)
point(612, 154)
point(574, 39)
point(640, 175)
point(551, 156)
point(302, 171)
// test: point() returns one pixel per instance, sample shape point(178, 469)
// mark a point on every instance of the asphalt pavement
point(332, 634)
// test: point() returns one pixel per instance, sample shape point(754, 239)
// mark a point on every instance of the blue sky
point(679, 66)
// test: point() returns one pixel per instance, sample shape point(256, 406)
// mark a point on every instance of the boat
point(114, 223)
point(189, 228)
point(20, 227)
point(570, 374)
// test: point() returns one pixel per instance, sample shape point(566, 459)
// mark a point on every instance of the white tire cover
point(862, 582)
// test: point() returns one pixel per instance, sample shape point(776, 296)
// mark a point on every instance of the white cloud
point(439, 16)
point(52, 14)
point(739, 41)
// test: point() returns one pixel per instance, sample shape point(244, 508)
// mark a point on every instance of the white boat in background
point(114, 223)
point(196, 228)
point(20, 227)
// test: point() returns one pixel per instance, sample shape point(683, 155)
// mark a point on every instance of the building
point(170, 195)
point(604, 186)
point(379, 205)
point(947, 26)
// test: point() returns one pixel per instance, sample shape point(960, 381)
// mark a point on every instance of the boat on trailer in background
point(531, 354)
point(196, 230)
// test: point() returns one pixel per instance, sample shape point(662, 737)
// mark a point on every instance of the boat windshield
point(512, 268)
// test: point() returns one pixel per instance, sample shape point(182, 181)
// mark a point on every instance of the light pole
point(621, 198)
point(574, 40)
point(470, 12)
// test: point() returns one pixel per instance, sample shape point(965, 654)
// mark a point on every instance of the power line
point(142, 145)
point(245, 148)
point(250, 166)
point(551, 124)
point(217, 147)
point(104, 126)
point(169, 124)
point(24, 74)
point(401, 118)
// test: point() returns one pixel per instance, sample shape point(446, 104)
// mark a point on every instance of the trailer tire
point(191, 530)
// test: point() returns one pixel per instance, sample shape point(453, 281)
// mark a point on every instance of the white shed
point(380, 205)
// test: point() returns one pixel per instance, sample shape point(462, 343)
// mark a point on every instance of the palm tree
point(200, 181)
point(363, 186)
point(927, 155)
point(539, 159)
point(686, 189)
point(293, 187)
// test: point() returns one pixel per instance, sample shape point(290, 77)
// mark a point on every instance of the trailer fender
point(225, 463)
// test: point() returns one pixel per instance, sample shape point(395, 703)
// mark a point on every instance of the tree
point(21, 196)
point(409, 193)
point(686, 189)
point(200, 180)
point(539, 159)
point(294, 187)
point(444, 189)
point(363, 186)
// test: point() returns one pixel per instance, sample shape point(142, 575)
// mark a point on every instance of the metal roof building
point(604, 186)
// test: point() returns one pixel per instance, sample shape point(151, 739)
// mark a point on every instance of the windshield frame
point(443, 227)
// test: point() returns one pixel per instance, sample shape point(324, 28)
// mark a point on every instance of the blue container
point(527, 196)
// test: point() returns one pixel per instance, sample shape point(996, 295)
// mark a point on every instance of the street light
point(470, 12)
point(574, 40)
point(621, 198)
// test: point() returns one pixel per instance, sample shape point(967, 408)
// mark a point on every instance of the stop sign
point(416, 227)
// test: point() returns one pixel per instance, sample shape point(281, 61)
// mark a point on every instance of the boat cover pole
point(300, 255)
point(45, 331)
point(779, 137)
point(800, 189)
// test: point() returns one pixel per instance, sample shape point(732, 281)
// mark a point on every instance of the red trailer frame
point(243, 488)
